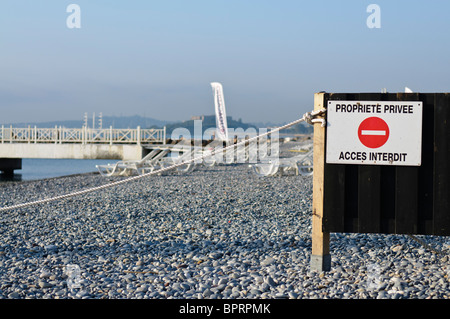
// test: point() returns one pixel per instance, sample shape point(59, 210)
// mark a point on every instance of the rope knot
point(311, 117)
point(308, 118)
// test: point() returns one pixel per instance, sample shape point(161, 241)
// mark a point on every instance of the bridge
point(74, 143)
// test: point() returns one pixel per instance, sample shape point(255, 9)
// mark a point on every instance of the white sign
point(374, 133)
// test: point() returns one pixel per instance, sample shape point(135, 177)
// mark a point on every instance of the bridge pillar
point(8, 165)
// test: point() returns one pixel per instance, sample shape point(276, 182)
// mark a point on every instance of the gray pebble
point(44, 284)
point(268, 261)
point(14, 295)
point(269, 280)
point(206, 293)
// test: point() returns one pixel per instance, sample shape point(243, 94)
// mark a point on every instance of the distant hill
point(208, 121)
point(107, 121)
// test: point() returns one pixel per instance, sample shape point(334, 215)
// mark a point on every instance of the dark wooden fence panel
point(441, 220)
point(394, 199)
point(426, 171)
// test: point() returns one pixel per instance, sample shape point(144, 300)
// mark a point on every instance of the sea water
point(35, 169)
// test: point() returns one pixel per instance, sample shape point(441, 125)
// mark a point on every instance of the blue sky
point(157, 58)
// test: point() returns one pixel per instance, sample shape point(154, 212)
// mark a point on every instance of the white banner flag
point(221, 116)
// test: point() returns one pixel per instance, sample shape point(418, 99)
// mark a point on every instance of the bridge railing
point(84, 135)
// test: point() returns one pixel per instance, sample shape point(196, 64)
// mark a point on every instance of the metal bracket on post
point(320, 257)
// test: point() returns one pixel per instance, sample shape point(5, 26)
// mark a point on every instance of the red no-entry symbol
point(373, 132)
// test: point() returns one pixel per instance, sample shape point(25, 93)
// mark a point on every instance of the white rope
point(308, 117)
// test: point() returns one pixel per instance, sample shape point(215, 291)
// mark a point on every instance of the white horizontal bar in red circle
point(373, 132)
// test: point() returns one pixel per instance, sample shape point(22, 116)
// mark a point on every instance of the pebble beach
point(218, 232)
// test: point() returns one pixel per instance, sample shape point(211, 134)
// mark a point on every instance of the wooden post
point(320, 257)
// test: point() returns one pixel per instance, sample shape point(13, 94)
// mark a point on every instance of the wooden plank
point(334, 188)
point(351, 199)
point(320, 258)
point(441, 213)
point(406, 208)
point(351, 185)
point(369, 199)
point(334, 194)
point(341, 189)
point(426, 170)
point(369, 191)
point(387, 199)
point(406, 189)
point(386, 186)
